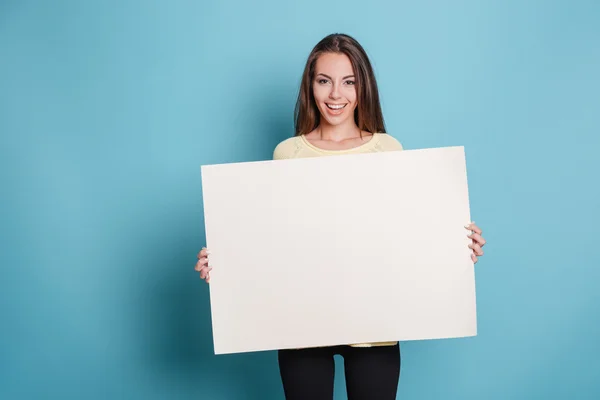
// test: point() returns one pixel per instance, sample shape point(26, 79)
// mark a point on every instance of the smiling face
point(334, 89)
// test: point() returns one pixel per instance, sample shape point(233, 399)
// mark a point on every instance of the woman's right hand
point(202, 265)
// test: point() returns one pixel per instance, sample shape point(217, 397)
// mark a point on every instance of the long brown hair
point(368, 115)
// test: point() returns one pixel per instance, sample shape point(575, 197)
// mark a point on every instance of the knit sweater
point(300, 147)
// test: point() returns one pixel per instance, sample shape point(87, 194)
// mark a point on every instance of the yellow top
point(300, 147)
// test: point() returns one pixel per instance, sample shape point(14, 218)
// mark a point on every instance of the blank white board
point(339, 250)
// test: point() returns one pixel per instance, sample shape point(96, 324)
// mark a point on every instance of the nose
point(334, 94)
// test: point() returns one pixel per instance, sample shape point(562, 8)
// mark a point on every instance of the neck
point(337, 133)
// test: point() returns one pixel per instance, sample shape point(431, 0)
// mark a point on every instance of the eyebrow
point(328, 77)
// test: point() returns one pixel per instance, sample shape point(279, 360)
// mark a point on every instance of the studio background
point(109, 108)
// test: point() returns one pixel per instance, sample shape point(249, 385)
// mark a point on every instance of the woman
point(338, 112)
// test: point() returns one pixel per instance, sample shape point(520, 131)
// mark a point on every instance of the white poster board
point(339, 250)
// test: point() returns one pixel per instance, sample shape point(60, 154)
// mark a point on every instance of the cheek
point(350, 94)
point(319, 93)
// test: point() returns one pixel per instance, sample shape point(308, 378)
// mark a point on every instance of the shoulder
point(387, 142)
point(287, 148)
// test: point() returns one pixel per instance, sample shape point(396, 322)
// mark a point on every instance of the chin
point(332, 121)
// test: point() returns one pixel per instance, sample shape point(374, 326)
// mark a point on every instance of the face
point(334, 88)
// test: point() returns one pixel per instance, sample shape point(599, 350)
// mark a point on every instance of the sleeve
point(278, 153)
point(284, 150)
point(390, 143)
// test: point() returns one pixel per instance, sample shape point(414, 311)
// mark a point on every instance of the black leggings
point(371, 372)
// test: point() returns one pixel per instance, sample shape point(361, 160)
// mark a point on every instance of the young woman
point(338, 112)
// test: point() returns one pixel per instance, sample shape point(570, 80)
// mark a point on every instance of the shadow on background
point(176, 327)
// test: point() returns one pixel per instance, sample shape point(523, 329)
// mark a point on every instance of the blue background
point(108, 109)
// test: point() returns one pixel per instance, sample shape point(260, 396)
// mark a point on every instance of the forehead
point(334, 64)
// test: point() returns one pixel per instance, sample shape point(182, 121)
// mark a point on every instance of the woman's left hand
point(478, 241)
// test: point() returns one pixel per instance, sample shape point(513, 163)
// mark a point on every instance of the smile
point(335, 106)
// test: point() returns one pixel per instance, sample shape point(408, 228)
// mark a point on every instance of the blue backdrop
point(108, 109)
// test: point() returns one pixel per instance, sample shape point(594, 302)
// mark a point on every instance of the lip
point(335, 112)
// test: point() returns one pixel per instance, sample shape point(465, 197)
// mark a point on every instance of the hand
point(202, 265)
point(478, 241)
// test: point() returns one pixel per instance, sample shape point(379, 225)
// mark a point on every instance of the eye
point(350, 82)
point(322, 81)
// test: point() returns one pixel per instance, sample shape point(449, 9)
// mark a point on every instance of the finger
point(478, 238)
point(472, 227)
point(474, 258)
point(203, 253)
point(204, 272)
point(476, 249)
point(201, 263)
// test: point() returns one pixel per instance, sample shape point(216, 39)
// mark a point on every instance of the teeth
point(336, 107)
